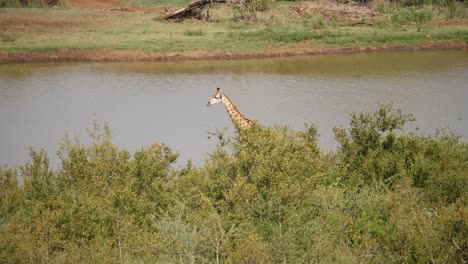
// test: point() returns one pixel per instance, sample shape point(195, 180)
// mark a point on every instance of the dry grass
point(335, 12)
point(382, 5)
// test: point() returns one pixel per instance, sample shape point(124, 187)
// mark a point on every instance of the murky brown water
point(149, 102)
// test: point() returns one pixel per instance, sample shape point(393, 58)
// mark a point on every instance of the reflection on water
point(166, 102)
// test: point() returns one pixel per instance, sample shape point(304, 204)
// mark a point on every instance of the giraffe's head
point(216, 98)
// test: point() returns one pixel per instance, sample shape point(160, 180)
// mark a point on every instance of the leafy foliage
point(411, 15)
point(268, 195)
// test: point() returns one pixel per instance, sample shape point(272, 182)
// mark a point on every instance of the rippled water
point(166, 102)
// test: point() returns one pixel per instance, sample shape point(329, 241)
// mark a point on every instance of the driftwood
point(195, 8)
point(191, 10)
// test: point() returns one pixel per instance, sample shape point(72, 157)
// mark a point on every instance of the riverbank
point(289, 29)
point(128, 55)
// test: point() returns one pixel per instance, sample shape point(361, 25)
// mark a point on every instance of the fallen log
point(192, 10)
point(195, 8)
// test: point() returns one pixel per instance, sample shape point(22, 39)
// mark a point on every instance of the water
point(146, 103)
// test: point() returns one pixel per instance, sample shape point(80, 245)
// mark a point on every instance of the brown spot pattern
point(237, 118)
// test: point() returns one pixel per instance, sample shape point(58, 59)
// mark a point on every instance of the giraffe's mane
point(235, 107)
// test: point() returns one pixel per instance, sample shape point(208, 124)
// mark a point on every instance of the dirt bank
point(122, 55)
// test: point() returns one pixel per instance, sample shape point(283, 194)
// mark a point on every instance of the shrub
point(369, 144)
point(410, 15)
point(248, 10)
point(260, 5)
point(8, 37)
point(267, 195)
point(10, 3)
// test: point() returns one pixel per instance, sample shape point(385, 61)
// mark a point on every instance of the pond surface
point(146, 103)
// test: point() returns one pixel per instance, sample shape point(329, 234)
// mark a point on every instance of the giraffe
point(239, 120)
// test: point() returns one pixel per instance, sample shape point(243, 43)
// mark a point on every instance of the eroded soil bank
point(124, 55)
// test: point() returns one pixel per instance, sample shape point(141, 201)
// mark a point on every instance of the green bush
point(10, 3)
point(261, 5)
point(8, 37)
point(267, 195)
point(411, 15)
point(248, 10)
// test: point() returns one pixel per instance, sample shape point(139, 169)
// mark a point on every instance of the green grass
point(196, 33)
point(349, 36)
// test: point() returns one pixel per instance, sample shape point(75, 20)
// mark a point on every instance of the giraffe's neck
point(237, 118)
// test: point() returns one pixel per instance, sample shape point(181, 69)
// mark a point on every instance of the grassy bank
point(268, 195)
point(286, 24)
